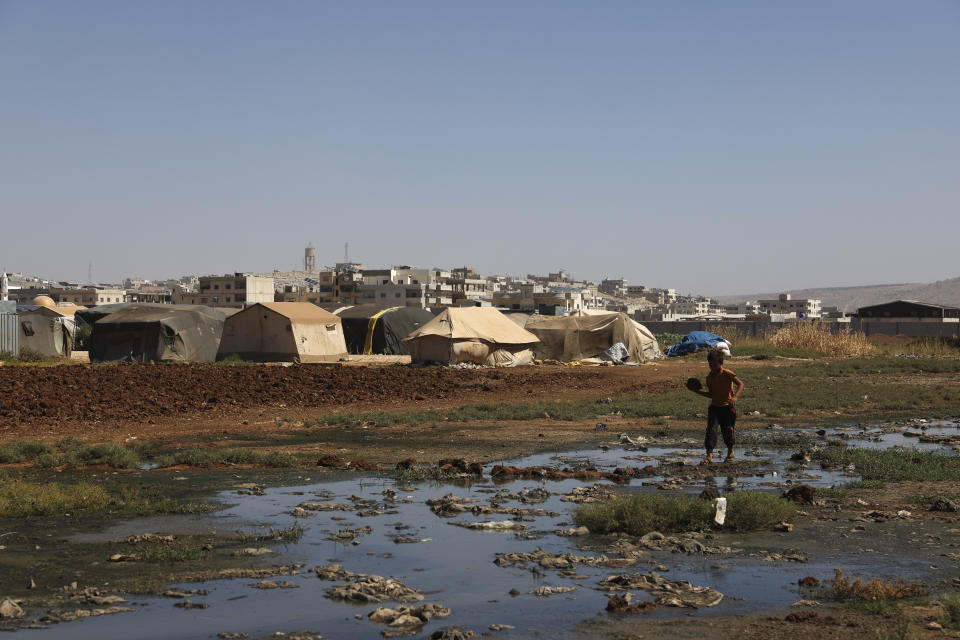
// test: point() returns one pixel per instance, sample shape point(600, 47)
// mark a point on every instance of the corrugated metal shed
point(10, 333)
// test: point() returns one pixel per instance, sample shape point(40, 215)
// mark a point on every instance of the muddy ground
point(221, 405)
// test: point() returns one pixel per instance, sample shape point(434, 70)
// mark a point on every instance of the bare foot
point(730, 458)
point(707, 459)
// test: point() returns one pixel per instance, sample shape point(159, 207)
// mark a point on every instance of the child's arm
point(738, 387)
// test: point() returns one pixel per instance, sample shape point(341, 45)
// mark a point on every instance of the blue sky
point(712, 147)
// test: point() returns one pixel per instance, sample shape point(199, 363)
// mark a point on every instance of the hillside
point(946, 292)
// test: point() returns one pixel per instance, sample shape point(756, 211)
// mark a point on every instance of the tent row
point(483, 335)
point(304, 332)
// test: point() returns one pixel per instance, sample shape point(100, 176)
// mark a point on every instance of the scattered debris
point(621, 604)
point(10, 610)
point(585, 495)
point(251, 551)
point(546, 592)
point(548, 560)
point(787, 555)
point(450, 505)
point(503, 525)
point(373, 588)
point(668, 593)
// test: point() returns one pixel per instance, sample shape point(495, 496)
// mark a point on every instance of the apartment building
point(234, 291)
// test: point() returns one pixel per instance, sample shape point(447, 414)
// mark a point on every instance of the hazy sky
point(713, 147)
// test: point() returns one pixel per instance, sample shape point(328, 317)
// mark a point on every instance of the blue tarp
point(694, 341)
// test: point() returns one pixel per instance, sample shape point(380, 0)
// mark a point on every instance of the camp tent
point(584, 336)
point(370, 329)
point(481, 335)
point(157, 333)
point(283, 331)
point(50, 334)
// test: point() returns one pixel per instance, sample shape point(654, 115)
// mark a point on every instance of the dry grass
point(842, 588)
point(799, 338)
point(817, 336)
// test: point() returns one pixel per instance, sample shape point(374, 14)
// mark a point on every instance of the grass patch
point(892, 465)
point(169, 553)
point(219, 457)
point(235, 359)
point(27, 356)
point(292, 533)
point(22, 450)
point(884, 607)
point(642, 513)
point(19, 498)
point(951, 610)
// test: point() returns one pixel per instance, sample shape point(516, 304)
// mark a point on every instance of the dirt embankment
point(161, 393)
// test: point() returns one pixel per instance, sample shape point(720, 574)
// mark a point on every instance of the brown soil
point(106, 403)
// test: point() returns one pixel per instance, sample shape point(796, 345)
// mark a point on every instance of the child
point(724, 387)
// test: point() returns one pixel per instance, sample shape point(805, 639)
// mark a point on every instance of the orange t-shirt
point(721, 387)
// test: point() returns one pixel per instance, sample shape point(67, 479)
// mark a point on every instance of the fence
point(868, 327)
point(10, 333)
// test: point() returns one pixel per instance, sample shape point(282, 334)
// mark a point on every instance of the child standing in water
point(723, 389)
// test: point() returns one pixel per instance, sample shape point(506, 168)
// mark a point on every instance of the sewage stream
point(454, 566)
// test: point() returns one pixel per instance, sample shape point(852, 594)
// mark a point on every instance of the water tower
point(310, 258)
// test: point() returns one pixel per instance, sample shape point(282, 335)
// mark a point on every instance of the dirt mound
point(145, 391)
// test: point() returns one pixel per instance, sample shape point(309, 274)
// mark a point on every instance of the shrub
point(22, 450)
point(842, 588)
point(642, 513)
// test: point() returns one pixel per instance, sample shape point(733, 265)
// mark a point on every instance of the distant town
point(352, 283)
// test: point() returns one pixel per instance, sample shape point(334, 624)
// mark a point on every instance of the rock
point(710, 493)
point(452, 633)
point(10, 610)
point(266, 584)
point(808, 582)
point(934, 626)
point(945, 504)
point(574, 532)
point(501, 627)
point(800, 493)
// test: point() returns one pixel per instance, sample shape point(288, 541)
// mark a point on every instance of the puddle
point(455, 566)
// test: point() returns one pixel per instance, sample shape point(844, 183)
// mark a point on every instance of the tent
point(696, 340)
point(51, 335)
point(590, 335)
point(157, 333)
point(481, 335)
point(283, 331)
point(370, 329)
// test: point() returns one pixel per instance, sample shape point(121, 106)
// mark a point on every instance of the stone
point(10, 610)
point(945, 504)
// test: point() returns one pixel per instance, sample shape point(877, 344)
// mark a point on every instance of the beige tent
point(283, 331)
point(588, 335)
point(481, 335)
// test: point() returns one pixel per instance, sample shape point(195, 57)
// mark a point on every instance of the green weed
point(892, 465)
point(642, 513)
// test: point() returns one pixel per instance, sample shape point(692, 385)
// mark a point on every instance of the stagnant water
point(455, 567)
